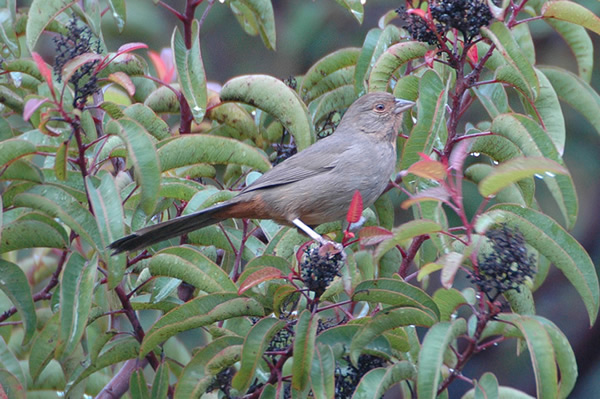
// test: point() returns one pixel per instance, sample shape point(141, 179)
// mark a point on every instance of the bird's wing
point(319, 158)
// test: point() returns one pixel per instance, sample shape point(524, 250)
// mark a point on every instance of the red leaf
point(31, 105)
point(424, 156)
point(163, 64)
point(429, 57)
point(44, 70)
point(431, 194)
point(123, 80)
point(259, 276)
point(373, 235)
point(428, 169)
point(473, 55)
point(126, 48)
point(356, 208)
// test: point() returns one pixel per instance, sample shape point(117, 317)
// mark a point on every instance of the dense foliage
point(101, 142)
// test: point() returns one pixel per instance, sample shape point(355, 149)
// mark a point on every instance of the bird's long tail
point(169, 229)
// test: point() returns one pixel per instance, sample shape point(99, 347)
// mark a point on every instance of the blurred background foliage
point(308, 30)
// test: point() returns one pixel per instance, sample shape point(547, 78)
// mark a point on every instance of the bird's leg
point(325, 244)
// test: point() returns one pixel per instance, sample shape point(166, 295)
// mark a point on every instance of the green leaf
point(431, 356)
point(256, 343)
point(41, 13)
point(576, 92)
point(431, 125)
point(376, 382)
point(54, 201)
point(192, 149)
point(502, 37)
point(142, 154)
point(22, 234)
point(355, 7)
point(447, 301)
point(195, 378)
point(392, 59)
point(404, 232)
point(13, 149)
point(138, 388)
point(386, 320)
point(11, 386)
point(160, 385)
point(376, 43)
point(493, 97)
point(516, 169)
point(190, 71)
point(273, 96)
point(572, 12)
point(196, 313)
point(487, 387)
point(76, 291)
point(322, 378)
point(119, 13)
point(394, 292)
point(147, 118)
point(328, 73)
point(256, 16)
point(304, 349)
point(529, 136)
point(337, 99)
point(16, 287)
point(108, 212)
point(343, 335)
point(552, 241)
point(22, 170)
point(10, 363)
point(43, 346)
point(236, 117)
point(503, 393)
point(193, 267)
point(580, 43)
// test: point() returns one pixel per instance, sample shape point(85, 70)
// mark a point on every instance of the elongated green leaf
point(119, 13)
point(256, 16)
point(502, 37)
point(193, 381)
point(142, 154)
point(343, 335)
point(147, 118)
point(404, 232)
point(493, 97)
point(572, 12)
point(392, 59)
point(516, 169)
point(317, 79)
point(160, 385)
point(431, 356)
point(548, 109)
point(304, 349)
point(447, 301)
point(108, 212)
point(42, 348)
point(322, 379)
point(395, 292)
point(487, 387)
point(511, 194)
point(256, 343)
point(57, 203)
point(41, 13)
point(376, 43)
point(192, 266)
point(387, 320)
point(431, 125)
point(22, 234)
point(376, 382)
point(138, 388)
point(22, 170)
point(192, 149)
point(529, 136)
point(11, 387)
point(335, 100)
point(196, 313)
point(13, 149)
point(16, 287)
point(190, 71)
point(503, 393)
point(235, 117)
point(10, 363)
point(355, 7)
point(576, 92)
point(580, 43)
point(273, 96)
point(552, 241)
point(76, 291)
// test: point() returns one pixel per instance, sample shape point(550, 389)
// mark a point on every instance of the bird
point(311, 187)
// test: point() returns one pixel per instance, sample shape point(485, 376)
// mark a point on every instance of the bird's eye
point(380, 107)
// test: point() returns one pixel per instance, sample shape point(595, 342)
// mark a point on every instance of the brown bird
point(311, 187)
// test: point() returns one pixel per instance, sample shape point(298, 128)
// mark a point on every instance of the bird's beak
point(402, 105)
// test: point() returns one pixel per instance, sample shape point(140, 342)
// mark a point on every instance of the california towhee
point(312, 187)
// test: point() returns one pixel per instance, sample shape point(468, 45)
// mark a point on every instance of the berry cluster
point(348, 376)
point(466, 16)
point(319, 271)
point(78, 40)
point(222, 381)
point(508, 265)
